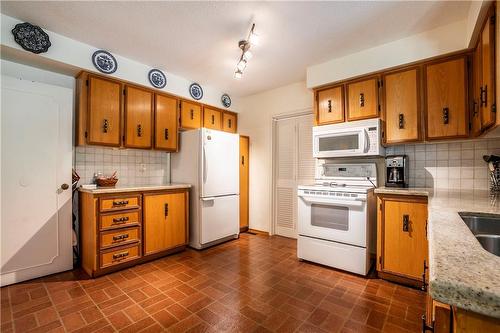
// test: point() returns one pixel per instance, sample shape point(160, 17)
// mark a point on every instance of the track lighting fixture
point(246, 55)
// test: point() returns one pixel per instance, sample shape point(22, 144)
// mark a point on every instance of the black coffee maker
point(396, 171)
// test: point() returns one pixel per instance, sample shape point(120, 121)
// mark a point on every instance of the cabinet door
point(190, 115)
point(446, 88)
point(212, 118)
point(138, 117)
point(166, 121)
point(402, 105)
point(475, 117)
point(362, 99)
point(244, 180)
point(104, 107)
point(330, 105)
point(404, 237)
point(229, 120)
point(165, 221)
point(487, 89)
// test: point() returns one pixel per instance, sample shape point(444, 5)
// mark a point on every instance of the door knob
point(64, 186)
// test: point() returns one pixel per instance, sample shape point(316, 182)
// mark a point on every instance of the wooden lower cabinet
point(119, 230)
point(165, 221)
point(402, 248)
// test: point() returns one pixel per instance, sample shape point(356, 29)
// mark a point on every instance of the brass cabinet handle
point(329, 106)
point(120, 203)
point(401, 121)
point(139, 130)
point(120, 255)
point(446, 115)
point(105, 126)
point(121, 219)
point(192, 114)
point(242, 160)
point(406, 223)
point(166, 133)
point(120, 237)
point(484, 95)
point(361, 99)
point(213, 119)
point(166, 209)
point(229, 123)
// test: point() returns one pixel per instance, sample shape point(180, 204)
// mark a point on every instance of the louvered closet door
point(294, 165)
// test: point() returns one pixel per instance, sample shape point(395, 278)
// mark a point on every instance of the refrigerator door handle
point(208, 199)
point(204, 164)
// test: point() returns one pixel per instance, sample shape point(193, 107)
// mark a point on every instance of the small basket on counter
point(494, 172)
point(106, 181)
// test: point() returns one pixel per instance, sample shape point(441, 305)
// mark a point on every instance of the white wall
point(255, 120)
point(74, 54)
point(444, 39)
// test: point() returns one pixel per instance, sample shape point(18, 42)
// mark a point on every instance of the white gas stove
point(337, 216)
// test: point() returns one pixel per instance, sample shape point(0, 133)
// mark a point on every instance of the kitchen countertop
point(420, 191)
point(134, 188)
point(462, 273)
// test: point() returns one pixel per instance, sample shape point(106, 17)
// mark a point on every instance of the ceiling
point(198, 40)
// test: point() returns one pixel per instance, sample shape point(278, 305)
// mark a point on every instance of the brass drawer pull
point(139, 130)
point(120, 237)
point(166, 209)
point(166, 133)
point(401, 121)
point(406, 223)
point(229, 123)
point(120, 203)
point(362, 100)
point(446, 115)
point(191, 113)
point(120, 255)
point(329, 106)
point(121, 219)
point(213, 119)
point(105, 126)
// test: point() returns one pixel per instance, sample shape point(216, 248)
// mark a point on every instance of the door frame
point(274, 121)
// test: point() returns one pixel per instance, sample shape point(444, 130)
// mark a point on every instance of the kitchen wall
point(133, 166)
point(449, 165)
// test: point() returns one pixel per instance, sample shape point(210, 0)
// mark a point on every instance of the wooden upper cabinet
point(166, 121)
point(487, 88)
point(330, 105)
point(165, 221)
point(446, 104)
point(138, 117)
point(404, 237)
point(212, 118)
point(190, 115)
point(362, 99)
point(402, 106)
point(104, 109)
point(229, 120)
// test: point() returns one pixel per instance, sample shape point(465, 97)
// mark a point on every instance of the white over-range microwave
point(355, 138)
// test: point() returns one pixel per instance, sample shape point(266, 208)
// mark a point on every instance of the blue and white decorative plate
point(157, 78)
point(196, 91)
point(225, 100)
point(104, 61)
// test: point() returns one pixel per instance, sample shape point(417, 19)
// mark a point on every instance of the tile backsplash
point(451, 165)
point(133, 166)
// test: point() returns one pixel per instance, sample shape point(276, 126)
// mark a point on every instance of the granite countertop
point(134, 188)
point(461, 272)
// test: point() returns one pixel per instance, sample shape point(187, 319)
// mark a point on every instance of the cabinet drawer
point(121, 255)
point(119, 237)
point(111, 204)
point(119, 220)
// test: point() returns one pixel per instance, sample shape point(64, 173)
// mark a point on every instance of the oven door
point(333, 219)
point(353, 142)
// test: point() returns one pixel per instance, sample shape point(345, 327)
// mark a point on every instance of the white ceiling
point(198, 40)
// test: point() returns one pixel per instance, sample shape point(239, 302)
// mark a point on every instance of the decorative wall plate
point(225, 100)
point(104, 61)
point(157, 78)
point(31, 37)
point(196, 91)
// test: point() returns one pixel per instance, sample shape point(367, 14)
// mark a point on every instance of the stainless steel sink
point(486, 228)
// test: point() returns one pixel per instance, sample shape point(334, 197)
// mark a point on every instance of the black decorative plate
point(31, 37)
point(225, 100)
point(196, 91)
point(104, 61)
point(157, 78)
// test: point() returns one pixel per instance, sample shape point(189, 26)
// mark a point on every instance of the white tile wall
point(133, 166)
point(453, 165)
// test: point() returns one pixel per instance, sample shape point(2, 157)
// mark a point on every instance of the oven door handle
point(330, 202)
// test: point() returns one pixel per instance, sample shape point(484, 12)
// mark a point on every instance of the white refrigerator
point(208, 160)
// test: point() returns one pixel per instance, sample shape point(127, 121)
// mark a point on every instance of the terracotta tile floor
point(254, 284)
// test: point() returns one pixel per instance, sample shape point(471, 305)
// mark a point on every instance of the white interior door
point(220, 163)
point(294, 165)
point(36, 158)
